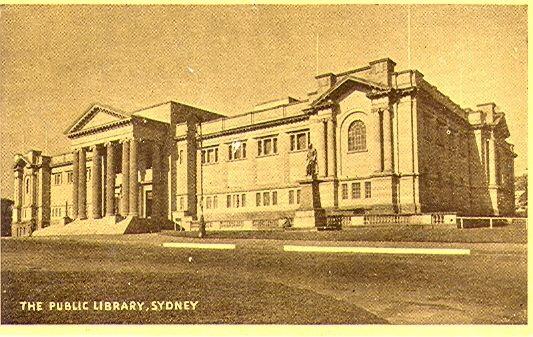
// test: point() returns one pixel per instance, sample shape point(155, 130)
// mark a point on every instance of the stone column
point(17, 197)
point(376, 143)
point(387, 141)
point(110, 180)
point(134, 184)
point(82, 185)
point(125, 178)
point(332, 157)
point(75, 183)
point(492, 160)
point(97, 182)
point(321, 149)
point(156, 181)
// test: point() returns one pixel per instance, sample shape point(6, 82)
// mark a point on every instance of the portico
point(125, 160)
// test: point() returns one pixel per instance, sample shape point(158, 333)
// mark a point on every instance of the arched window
point(357, 136)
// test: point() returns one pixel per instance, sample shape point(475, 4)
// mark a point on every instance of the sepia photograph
point(261, 164)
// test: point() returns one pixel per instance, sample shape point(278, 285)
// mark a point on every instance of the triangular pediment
point(20, 161)
point(95, 117)
point(346, 86)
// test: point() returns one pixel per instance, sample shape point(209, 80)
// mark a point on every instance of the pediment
point(20, 161)
point(94, 117)
point(346, 86)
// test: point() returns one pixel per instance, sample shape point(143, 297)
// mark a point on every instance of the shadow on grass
point(223, 299)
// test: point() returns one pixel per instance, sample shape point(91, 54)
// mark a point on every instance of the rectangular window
point(237, 150)
point(210, 156)
point(368, 189)
point(243, 200)
point(299, 141)
point(267, 146)
point(274, 198)
point(228, 201)
point(266, 199)
point(182, 202)
point(236, 200)
point(215, 202)
point(297, 196)
point(258, 199)
point(356, 190)
point(208, 202)
point(291, 197)
point(57, 178)
point(345, 191)
point(70, 177)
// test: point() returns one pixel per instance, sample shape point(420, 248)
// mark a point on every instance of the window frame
point(354, 145)
point(293, 140)
point(261, 146)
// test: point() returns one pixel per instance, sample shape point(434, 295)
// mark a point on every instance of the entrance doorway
point(148, 204)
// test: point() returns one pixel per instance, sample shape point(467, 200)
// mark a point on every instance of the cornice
point(100, 128)
point(252, 127)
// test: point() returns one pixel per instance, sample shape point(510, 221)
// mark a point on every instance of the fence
point(491, 222)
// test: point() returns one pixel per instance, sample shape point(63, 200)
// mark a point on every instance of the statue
point(311, 163)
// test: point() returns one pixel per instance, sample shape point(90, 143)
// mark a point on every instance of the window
point(274, 198)
point(267, 146)
point(356, 190)
point(266, 199)
point(215, 202)
point(297, 196)
point(28, 185)
point(368, 189)
point(237, 150)
point(70, 177)
point(291, 197)
point(345, 191)
point(299, 141)
point(181, 156)
point(357, 136)
point(236, 200)
point(58, 178)
point(210, 156)
point(258, 199)
point(182, 202)
point(208, 202)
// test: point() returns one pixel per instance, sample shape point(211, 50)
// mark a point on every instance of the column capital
point(95, 147)
point(110, 143)
point(125, 140)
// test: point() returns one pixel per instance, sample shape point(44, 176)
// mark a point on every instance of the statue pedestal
point(310, 214)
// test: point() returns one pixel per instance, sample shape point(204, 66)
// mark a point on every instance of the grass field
point(504, 234)
point(262, 286)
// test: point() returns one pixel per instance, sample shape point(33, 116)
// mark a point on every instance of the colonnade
point(129, 204)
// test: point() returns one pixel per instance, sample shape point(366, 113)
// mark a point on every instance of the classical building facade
point(386, 141)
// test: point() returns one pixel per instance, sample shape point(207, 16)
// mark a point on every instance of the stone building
point(387, 143)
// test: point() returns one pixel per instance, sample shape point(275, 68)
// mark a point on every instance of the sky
point(57, 61)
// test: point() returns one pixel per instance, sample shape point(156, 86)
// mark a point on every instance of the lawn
point(261, 286)
point(503, 234)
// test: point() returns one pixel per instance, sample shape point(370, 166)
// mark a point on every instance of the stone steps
point(106, 225)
